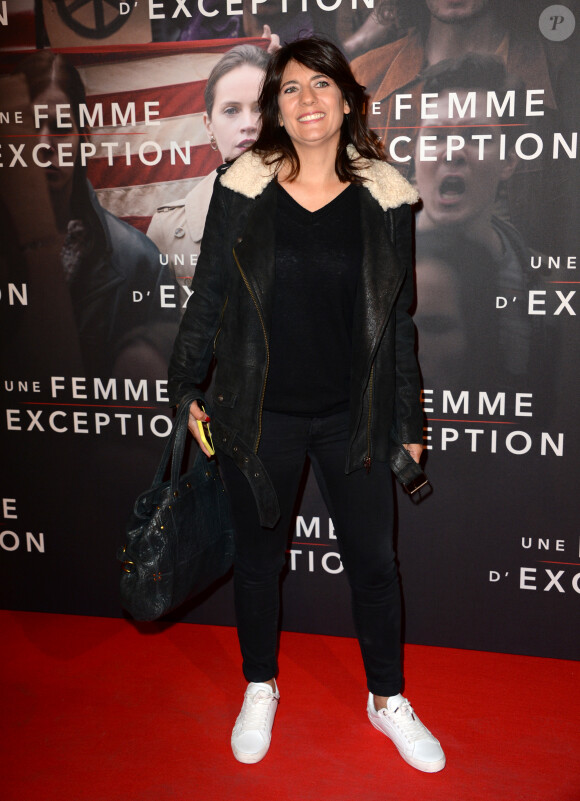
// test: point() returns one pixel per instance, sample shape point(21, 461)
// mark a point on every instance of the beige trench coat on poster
point(177, 229)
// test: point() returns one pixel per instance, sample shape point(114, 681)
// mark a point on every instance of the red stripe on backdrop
point(132, 52)
point(178, 99)
point(103, 175)
point(109, 54)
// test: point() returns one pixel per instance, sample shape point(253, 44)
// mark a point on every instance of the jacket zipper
point(248, 287)
point(215, 339)
point(367, 459)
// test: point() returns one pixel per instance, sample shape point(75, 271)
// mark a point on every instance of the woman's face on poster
point(59, 176)
point(458, 184)
point(235, 116)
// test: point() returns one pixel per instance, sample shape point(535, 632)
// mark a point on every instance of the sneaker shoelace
point(409, 725)
point(255, 710)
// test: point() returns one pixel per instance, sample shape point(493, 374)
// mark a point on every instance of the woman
point(104, 261)
point(302, 290)
point(231, 120)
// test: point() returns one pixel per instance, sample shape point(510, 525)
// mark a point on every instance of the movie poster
point(110, 137)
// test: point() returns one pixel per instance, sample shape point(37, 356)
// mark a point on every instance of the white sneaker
point(253, 729)
point(414, 741)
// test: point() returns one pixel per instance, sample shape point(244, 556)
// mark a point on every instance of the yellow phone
point(205, 434)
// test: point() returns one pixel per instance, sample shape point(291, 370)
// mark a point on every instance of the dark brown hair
point(479, 72)
point(42, 70)
point(238, 56)
point(320, 55)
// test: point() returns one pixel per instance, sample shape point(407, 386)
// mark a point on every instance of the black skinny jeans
point(361, 508)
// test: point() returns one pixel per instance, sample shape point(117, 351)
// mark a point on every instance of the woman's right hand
point(195, 414)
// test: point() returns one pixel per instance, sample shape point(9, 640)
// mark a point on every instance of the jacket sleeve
point(408, 414)
point(193, 347)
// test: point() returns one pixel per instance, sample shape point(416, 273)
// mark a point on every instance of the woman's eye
point(289, 89)
point(230, 110)
point(321, 84)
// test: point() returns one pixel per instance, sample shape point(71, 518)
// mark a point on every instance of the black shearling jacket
point(228, 316)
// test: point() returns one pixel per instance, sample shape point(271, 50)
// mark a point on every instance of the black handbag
point(179, 539)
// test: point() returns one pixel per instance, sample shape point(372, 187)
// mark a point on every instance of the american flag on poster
point(149, 164)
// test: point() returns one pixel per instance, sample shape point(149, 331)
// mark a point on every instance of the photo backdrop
point(89, 306)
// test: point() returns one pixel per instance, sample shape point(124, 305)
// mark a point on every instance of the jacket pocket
point(225, 398)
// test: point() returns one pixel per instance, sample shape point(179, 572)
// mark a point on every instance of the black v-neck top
point(318, 260)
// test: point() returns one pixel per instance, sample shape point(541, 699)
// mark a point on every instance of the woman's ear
point(207, 124)
point(346, 108)
point(509, 165)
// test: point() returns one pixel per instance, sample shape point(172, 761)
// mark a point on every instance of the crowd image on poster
point(112, 129)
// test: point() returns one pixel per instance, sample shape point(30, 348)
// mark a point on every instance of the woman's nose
point(249, 121)
point(45, 136)
point(307, 96)
point(447, 155)
point(457, 158)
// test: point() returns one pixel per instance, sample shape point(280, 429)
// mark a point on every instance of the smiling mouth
point(245, 143)
point(452, 186)
point(317, 115)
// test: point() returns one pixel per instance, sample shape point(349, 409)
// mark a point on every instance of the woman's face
point(235, 117)
point(311, 106)
point(49, 134)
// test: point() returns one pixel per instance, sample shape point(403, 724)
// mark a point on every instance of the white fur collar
point(249, 176)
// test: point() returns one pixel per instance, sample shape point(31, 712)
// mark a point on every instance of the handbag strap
point(175, 445)
point(180, 438)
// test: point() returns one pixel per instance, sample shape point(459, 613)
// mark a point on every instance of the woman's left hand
point(415, 449)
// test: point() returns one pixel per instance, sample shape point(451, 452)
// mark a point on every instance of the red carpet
point(96, 710)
